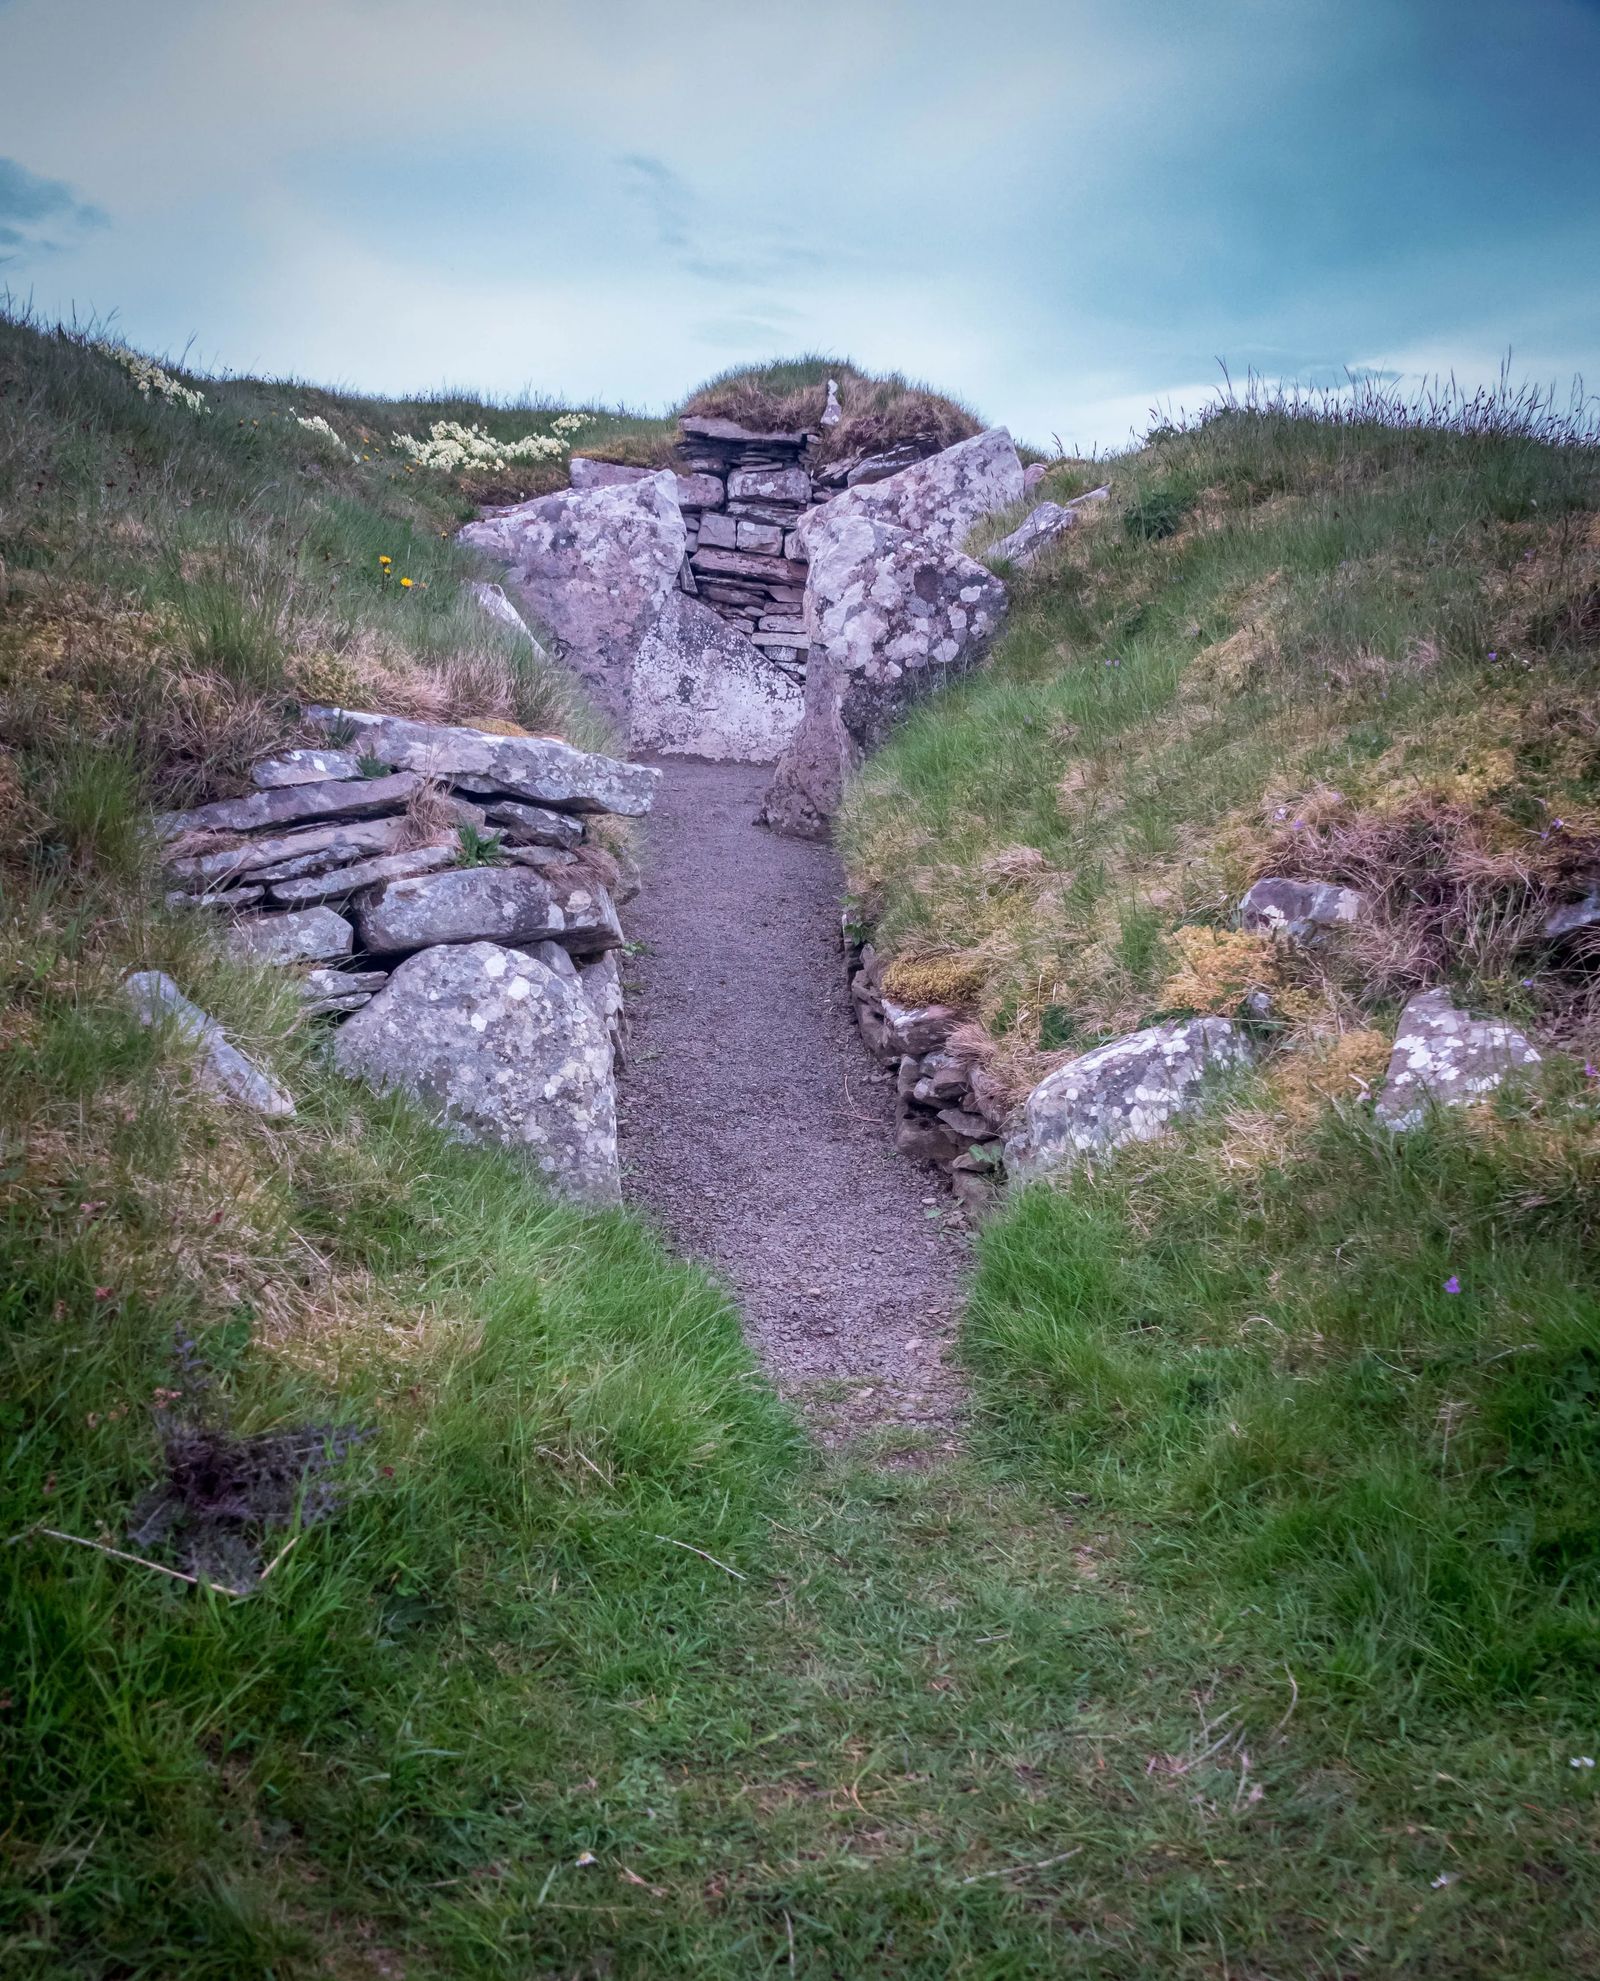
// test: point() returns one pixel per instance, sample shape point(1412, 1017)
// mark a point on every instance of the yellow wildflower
point(405, 584)
point(386, 562)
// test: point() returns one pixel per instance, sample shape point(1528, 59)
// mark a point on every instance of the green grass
point(1255, 1634)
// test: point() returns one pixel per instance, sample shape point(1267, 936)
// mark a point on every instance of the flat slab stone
point(284, 855)
point(341, 882)
point(769, 485)
point(541, 769)
point(748, 564)
point(1299, 909)
point(222, 1066)
point(506, 1050)
point(478, 904)
point(304, 767)
point(325, 991)
point(1126, 1091)
point(694, 491)
point(1444, 1058)
point(306, 935)
point(222, 897)
point(702, 426)
point(534, 825)
point(291, 804)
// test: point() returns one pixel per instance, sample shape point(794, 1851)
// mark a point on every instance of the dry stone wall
point(436, 890)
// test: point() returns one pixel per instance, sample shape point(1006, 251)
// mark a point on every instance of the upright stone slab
point(594, 566)
point(506, 1050)
point(701, 689)
point(888, 614)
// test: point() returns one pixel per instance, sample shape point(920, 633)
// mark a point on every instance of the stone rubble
point(499, 1000)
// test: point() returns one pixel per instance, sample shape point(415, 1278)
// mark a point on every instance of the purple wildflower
point(1452, 1284)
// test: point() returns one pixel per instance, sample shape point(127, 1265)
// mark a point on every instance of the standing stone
point(832, 412)
point(702, 689)
point(1043, 526)
point(1126, 1091)
point(1443, 1057)
point(888, 614)
point(505, 1050)
point(495, 603)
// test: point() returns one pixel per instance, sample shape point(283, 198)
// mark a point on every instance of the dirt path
point(757, 1130)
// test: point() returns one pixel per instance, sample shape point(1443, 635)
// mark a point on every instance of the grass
point(878, 411)
point(1254, 1635)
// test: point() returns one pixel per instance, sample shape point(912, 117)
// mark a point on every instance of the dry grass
point(878, 412)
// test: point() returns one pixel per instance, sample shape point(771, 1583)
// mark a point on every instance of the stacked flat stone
point(322, 868)
point(750, 492)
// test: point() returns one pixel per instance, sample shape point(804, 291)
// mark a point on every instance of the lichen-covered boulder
point(937, 499)
point(1302, 910)
point(889, 614)
point(700, 688)
point(488, 904)
point(1443, 1057)
point(506, 1050)
point(594, 566)
point(1127, 1091)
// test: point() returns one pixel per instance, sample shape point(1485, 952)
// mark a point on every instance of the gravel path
point(756, 1129)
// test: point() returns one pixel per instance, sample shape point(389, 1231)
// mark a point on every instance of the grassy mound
point(787, 396)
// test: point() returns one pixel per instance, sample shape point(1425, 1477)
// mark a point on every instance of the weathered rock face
point(282, 856)
point(594, 567)
point(223, 1067)
point(701, 689)
point(1126, 1091)
point(692, 491)
point(938, 499)
point(310, 935)
point(506, 1050)
point(536, 768)
point(325, 992)
point(494, 904)
point(1444, 1058)
point(341, 882)
point(1302, 910)
point(888, 614)
point(1574, 917)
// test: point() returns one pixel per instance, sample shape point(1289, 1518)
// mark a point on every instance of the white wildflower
point(453, 447)
point(314, 423)
point(150, 379)
point(570, 422)
point(1581, 1761)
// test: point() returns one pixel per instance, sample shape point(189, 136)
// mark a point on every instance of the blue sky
point(1064, 210)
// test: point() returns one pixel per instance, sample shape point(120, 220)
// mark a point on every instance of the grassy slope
point(489, 1719)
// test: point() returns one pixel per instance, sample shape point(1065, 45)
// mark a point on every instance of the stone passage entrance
point(756, 1129)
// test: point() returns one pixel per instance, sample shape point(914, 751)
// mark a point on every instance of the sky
point(1066, 212)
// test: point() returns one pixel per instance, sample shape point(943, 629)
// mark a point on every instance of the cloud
point(36, 212)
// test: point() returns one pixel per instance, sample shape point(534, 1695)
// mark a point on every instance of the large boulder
point(540, 769)
point(1442, 1057)
point(1127, 1091)
point(594, 566)
point(495, 904)
point(700, 688)
point(938, 499)
point(506, 1049)
point(889, 613)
